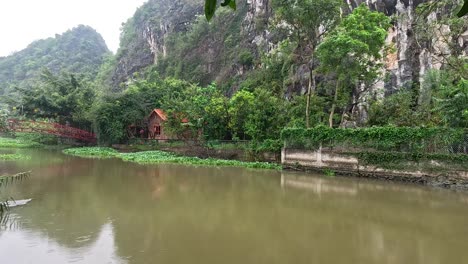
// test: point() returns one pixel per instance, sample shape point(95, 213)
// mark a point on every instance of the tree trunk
point(310, 89)
point(332, 111)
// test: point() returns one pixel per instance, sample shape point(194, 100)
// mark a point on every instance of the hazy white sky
point(23, 21)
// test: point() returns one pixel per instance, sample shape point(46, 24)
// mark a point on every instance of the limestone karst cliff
point(173, 37)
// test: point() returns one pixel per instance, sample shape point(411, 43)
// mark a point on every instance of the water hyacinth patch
point(92, 152)
point(156, 157)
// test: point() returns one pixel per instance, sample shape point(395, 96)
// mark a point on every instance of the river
point(110, 211)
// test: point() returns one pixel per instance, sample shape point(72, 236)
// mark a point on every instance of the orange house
point(156, 121)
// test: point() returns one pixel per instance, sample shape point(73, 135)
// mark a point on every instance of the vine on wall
point(387, 147)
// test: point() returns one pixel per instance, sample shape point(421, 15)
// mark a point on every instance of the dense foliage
point(412, 139)
point(67, 98)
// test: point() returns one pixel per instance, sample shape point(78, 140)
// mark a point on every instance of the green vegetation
point(80, 51)
point(387, 147)
point(309, 20)
point(65, 98)
point(17, 143)
point(292, 66)
point(92, 152)
point(42, 139)
point(351, 53)
point(14, 157)
point(399, 160)
point(329, 173)
point(188, 59)
point(411, 139)
point(155, 157)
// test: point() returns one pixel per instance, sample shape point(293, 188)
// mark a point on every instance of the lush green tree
point(205, 109)
point(442, 101)
point(64, 98)
point(353, 50)
point(452, 104)
point(267, 116)
point(395, 110)
point(240, 107)
point(308, 21)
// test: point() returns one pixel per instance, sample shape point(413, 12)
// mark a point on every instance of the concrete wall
point(443, 175)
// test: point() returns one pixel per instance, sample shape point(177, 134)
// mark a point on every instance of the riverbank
point(157, 157)
point(453, 176)
point(34, 140)
point(431, 172)
point(17, 143)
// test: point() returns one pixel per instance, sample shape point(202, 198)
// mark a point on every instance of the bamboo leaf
point(210, 8)
point(230, 3)
point(463, 10)
point(233, 5)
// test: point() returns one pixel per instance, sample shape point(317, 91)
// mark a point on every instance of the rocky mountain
point(172, 37)
point(80, 50)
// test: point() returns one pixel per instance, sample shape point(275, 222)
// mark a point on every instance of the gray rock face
point(152, 24)
point(405, 67)
point(411, 59)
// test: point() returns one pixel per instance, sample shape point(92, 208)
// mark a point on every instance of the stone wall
point(437, 174)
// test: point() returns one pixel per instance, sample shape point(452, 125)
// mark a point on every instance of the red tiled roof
point(160, 113)
point(163, 115)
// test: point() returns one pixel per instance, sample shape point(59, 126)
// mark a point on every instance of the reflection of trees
point(69, 203)
point(175, 214)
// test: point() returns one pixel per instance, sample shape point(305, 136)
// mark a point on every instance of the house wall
point(156, 120)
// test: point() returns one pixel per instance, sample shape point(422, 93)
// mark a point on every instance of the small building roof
point(163, 115)
point(160, 113)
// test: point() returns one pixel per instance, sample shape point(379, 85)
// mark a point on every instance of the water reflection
point(27, 246)
point(316, 184)
point(109, 211)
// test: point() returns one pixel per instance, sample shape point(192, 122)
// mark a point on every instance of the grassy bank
point(156, 157)
point(17, 143)
point(14, 157)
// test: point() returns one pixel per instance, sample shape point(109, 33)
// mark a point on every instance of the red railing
point(51, 129)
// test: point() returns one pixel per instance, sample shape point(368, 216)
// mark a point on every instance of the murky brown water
point(109, 211)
